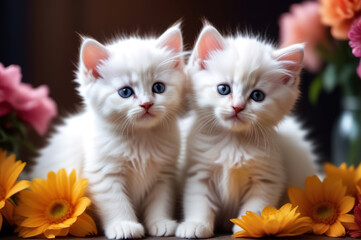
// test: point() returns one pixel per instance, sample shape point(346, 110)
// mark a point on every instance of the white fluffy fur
point(129, 160)
point(233, 166)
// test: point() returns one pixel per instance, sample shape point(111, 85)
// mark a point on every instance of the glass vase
point(346, 135)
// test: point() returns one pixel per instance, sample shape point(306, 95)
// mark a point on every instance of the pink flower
point(303, 24)
point(10, 77)
point(355, 37)
point(354, 227)
point(31, 104)
point(355, 41)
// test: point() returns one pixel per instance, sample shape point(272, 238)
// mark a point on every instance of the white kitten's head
point(133, 82)
point(242, 83)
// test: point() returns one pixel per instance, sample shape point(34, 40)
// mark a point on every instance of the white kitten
point(126, 141)
point(237, 160)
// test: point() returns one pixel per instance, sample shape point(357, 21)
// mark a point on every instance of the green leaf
point(3, 135)
point(19, 127)
point(315, 89)
point(329, 78)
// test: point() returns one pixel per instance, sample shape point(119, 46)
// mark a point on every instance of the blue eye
point(158, 87)
point(257, 95)
point(224, 89)
point(125, 92)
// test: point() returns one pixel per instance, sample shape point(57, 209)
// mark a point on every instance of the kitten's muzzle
point(146, 106)
point(237, 109)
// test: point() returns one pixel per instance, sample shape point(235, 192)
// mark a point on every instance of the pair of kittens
point(240, 151)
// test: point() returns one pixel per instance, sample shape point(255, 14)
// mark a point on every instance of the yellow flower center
point(325, 212)
point(59, 210)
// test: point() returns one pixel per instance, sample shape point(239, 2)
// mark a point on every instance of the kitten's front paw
point(124, 230)
point(194, 230)
point(162, 228)
point(236, 229)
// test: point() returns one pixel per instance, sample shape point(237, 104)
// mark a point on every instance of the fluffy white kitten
point(126, 140)
point(237, 160)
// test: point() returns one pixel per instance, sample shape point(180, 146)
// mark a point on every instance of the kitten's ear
point(91, 55)
point(172, 40)
point(291, 59)
point(209, 40)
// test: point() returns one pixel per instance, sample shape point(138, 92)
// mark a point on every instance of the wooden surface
point(221, 237)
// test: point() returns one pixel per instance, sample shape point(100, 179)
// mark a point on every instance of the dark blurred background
point(43, 38)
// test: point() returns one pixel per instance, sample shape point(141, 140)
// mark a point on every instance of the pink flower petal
point(355, 37)
point(303, 24)
point(10, 77)
point(5, 109)
point(31, 104)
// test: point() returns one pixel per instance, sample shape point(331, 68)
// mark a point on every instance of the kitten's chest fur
point(231, 161)
point(138, 159)
point(230, 184)
point(230, 150)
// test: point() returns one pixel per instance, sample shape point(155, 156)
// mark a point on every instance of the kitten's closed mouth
point(146, 115)
point(235, 118)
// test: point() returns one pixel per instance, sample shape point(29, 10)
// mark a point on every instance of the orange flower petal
point(62, 183)
point(251, 223)
point(333, 190)
point(286, 208)
point(41, 190)
point(347, 218)
point(37, 211)
point(244, 234)
point(236, 221)
point(84, 226)
point(33, 222)
point(52, 233)
point(298, 198)
point(67, 223)
point(31, 232)
point(19, 186)
point(358, 173)
point(346, 204)
point(268, 211)
point(273, 222)
point(78, 190)
point(81, 205)
point(15, 172)
point(320, 228)
point(32, 200)
point(51, 182)
point(336, 230)
point(313, 187)
point(271, 227)
point(8, 212)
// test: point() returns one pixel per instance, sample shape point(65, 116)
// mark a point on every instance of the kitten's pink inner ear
point(296, 58)
point(293, 63)
point(173, 43)
point(92, 54)
point(209, 42)
point(172, 40)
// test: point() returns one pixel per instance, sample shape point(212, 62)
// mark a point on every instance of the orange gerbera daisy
point(339, 14)
point(350, 176)
point(10, 170)
point(280, 223)
point(55, 207)
point(325, 203)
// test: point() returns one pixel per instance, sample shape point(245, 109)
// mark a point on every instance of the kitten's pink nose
point(146, 105)
point(237, 109)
